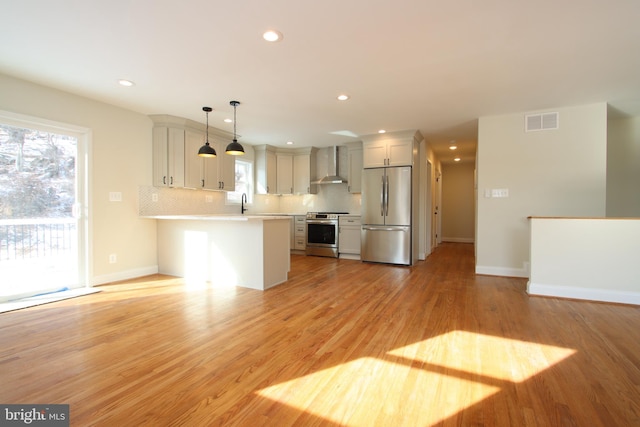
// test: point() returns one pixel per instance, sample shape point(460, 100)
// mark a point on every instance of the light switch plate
point(500, 192)
point(115, 196)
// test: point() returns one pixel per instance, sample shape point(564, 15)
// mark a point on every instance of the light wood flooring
point(342, 343)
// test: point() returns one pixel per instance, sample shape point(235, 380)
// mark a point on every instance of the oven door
point(322, 237)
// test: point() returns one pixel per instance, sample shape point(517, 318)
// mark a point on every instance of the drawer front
point(349, 220)
point(300, 243)
point(300, 230)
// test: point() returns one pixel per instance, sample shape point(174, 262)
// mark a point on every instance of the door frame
point(82, 207)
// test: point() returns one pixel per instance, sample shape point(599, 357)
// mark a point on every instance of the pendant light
point(206, 150)
point(235, 149)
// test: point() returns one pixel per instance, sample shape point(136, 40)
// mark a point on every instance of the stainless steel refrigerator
point(386, 215)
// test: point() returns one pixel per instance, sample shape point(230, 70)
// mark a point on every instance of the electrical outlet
point(209, 199)
point(154, 197)
point(115, 196)
point(113, 258)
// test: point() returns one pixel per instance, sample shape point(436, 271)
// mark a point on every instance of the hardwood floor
point(341, 343)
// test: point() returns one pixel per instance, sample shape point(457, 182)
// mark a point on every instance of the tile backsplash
point(177, 201)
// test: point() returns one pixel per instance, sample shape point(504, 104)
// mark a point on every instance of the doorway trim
point(83, 181)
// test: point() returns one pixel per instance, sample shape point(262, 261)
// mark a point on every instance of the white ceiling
point(430, 65)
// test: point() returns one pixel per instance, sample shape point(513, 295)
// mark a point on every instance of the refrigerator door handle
point(382, 198)
point(386, 193)
point(378, 228)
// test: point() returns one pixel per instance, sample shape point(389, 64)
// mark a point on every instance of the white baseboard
point(458, 239)
point(350, 256)
point(502, 271)
point(124, 275)
point(603, 295)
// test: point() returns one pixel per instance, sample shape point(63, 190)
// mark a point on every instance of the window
point(244, 183)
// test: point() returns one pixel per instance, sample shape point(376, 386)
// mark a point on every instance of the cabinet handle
point(171, 181)
point(164, 180)
point(203, 182)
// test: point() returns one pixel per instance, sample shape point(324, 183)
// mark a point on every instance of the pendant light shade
point(207, 150)
point(235, 149)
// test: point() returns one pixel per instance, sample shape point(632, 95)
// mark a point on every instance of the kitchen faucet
point(243, 200)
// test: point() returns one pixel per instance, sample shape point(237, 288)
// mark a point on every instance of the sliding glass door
point(41, 208)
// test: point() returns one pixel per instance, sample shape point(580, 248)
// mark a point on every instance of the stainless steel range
point(322, 233)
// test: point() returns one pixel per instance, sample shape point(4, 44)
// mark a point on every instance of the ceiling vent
point(544, 121)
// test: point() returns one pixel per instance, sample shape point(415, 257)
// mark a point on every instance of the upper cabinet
point(265, 169)
point(219, 173)
point(390, 149)
point(354, 156)
point(304, 171)
point(176, 163)
point(210, 173)
point(285, 171)
point(168, 157)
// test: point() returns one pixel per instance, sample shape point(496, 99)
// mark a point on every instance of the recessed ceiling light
point(382, 131)
point(272, 36)
point(228, 120)
point(125, 82)
point(453, 147)
point(457, 159)
point(343, 97)
point(289, 142)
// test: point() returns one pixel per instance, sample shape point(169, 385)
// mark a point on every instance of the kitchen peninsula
point(249, 251)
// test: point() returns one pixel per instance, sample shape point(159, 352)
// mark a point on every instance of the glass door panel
point(38, 204)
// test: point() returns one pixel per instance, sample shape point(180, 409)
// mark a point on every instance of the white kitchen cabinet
point(304, 171)
point(210, 173)
point(221, 173)
point(300, 232)
point(168, 157)
point(176, 163)
point(354, 177)
point(391, 150)
point(193, 169)
point(265, 169)
point(349, 237)
point(284, 173)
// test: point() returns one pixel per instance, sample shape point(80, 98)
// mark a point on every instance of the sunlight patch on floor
point(451, 372)
point(487, 355)
point(45, 299)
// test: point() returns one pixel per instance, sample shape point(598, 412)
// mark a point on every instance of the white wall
point(120, 148)
point(623, 167)
point(547, 173)
point(586, 258)
point(458, 202)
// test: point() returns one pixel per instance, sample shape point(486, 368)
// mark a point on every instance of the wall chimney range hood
point(332, 177)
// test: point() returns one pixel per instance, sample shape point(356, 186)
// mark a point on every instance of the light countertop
point(220, 217)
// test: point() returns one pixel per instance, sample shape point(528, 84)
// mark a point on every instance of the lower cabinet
point(349, 237)
point(300, 232)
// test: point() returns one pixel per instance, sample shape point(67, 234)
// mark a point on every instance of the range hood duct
point(332, 176)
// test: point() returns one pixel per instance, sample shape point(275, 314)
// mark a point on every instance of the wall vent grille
point(544, 121)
